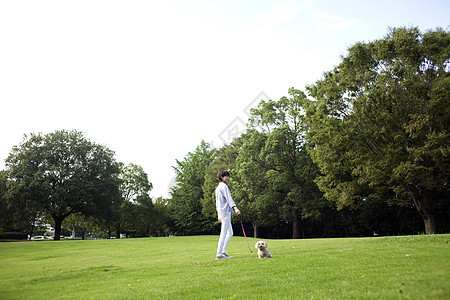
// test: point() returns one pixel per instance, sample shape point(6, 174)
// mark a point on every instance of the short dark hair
point(221, 174)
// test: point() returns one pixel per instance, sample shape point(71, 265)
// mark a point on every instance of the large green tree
point(62, 173)
point(134, 185)
point(380, 121)
point(258, 204)
point(185, 204)
point(274, 165)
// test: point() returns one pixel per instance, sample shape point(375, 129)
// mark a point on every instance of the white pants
point(226, 232)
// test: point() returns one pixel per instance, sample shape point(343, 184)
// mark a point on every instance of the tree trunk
point(255, 230)
point(301, 227)
point(295, 224)
point(430, 224)
point(31, 231)
point(424, 205)
point(58, 223)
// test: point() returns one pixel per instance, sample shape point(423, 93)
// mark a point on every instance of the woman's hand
point(237, 211)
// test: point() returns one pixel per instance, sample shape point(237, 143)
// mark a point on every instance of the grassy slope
point(413, 267)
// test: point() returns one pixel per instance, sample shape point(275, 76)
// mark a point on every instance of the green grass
point(411, 267)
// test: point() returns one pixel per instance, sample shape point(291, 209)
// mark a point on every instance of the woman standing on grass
point(224, 206)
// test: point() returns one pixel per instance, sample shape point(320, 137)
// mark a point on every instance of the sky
point(151, 79)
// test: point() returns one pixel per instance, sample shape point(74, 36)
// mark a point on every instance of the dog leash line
point(243, 231)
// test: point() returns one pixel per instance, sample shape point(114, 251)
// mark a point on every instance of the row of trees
point(367, 151)
point(370, 146)
point(66, 180)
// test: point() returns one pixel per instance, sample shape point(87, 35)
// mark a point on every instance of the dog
point(263, 252)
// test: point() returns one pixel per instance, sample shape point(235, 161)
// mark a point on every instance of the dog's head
point(261, 245)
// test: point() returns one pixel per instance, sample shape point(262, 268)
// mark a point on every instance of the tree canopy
point(62, 173)
point(274, 166)
point(185, 204)
point(134, 182)
point(380, 119)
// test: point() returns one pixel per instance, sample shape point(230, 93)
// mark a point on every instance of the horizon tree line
point(365, 150)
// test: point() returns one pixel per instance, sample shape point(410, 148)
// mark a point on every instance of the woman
point(224, 207)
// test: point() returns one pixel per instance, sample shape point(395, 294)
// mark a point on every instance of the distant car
point(39, 237)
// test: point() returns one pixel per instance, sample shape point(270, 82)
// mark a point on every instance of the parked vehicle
point(39, 237)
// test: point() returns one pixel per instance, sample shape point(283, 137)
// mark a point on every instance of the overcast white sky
point(151, 79)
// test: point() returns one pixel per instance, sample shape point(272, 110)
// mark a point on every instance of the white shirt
point(224, 201)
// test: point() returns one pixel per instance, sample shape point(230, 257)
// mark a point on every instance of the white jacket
point(224, 201)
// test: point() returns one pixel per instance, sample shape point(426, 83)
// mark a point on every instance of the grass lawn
point(410, 267)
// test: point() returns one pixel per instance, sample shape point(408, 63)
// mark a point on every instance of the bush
point(13, 236)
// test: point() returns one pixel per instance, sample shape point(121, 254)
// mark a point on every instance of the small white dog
point(262, 250)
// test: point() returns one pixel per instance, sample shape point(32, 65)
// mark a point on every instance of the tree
point(185, 204)
point(225, 159)
point(250, 185)
point(6, 214)
point(128, 219)
point(145, 215)
point(274, 165)
point(134, 184)
point(25, 216)
point(380, 121)
point(161, 225)
point(63, 173)
point(81, 224)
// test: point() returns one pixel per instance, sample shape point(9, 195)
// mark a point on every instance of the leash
point(242, 225)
